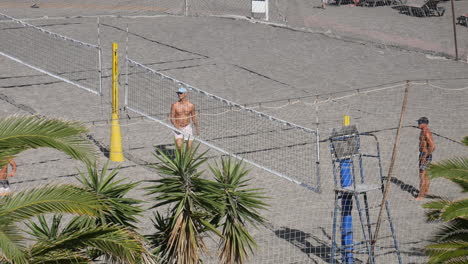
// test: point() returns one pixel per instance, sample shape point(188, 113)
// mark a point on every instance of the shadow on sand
point(410, 188)
point(166, 149)
point(300, 239)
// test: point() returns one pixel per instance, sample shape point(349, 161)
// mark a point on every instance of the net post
point(317, 161)
point(126, 71)
point(116, 153)
point(267, 10)
point(99, 56)
point(317, 141)
point(346, 120)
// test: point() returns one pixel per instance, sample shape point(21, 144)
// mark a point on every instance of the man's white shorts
point(187, 133)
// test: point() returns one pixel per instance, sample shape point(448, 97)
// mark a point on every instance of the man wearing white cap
point(182, 116)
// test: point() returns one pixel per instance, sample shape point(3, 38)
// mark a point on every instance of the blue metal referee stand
point(352, 191)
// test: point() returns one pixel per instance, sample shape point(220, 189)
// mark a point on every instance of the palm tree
point(450, 243)
point(198, 205)
point(193, 201)
point(29, 203)
point(83, 241)
point(111, 236)
point(19, 133)
point(242, 205)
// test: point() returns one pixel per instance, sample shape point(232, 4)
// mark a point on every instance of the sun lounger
point(463, 20)
point(373, 3)
point(422, 8)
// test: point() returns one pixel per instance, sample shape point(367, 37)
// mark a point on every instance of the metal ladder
point(345, 147)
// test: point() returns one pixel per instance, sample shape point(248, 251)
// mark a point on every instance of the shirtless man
point(4, 184)
point(182, 115)
point(426, 147)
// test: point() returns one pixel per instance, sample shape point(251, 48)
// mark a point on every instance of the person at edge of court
point(182, 116)
point(324, 3)
point(426, 148)
point(4, 183)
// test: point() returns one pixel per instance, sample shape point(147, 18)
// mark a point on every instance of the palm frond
point(159, 239)
point(117, 243)
point(456, 209)
point(19, 133)
point(42, 231)
point(121, 210)
point(455, 230)
point(185, 162)
point(241, 207)
point(455, 170)
point(49, 199)
point(435, 209)
point(452, 252)
point(11, 247)
point(450, 243)
point(60, 257)
point(465, 141)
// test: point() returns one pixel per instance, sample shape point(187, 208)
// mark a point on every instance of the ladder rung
point(371, 207)
point(357, 250)
point(359, 188)
point(380, 238)
point(371, 224)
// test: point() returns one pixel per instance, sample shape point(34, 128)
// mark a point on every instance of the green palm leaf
point(84, 238)
point(453, 253)
point(455, 170)
point(456, 209)
point(121, 210)
point(26, 204)
point(455, 230)
point(435, 209)
point(42, 231)
point(48, 199)
point(10, 244)
point(19, 133)
point(118, 244)
point(451, 243)
point(60, 257)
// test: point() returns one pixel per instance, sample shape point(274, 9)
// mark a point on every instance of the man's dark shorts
point(423, 165)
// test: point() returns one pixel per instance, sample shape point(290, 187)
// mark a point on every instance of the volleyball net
point(61, 57)
point(280, 147)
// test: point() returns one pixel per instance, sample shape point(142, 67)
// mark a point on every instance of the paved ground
point(382, 24)
point(249, 63)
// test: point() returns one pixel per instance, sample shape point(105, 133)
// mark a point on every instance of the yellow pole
point(346, 120)
point(116, 153)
